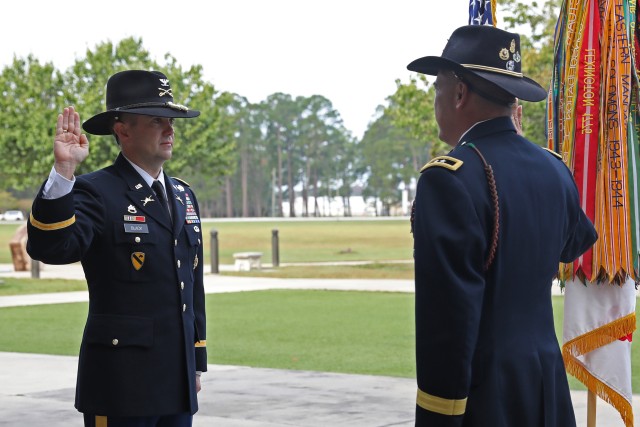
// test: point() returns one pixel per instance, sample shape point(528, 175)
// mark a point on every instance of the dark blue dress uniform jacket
point(145, 332)
point(486, 350)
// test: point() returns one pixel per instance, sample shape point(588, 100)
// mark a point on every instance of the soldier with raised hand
point(137, 233)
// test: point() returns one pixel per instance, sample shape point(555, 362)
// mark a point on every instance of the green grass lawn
point(13, 286)
point(314, 241)
point(374, 270)
point(300, 241)
point(351, 332)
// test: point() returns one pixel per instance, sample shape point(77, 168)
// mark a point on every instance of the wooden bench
point(246, 261)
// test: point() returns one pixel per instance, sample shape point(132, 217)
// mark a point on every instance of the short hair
point(118, 118)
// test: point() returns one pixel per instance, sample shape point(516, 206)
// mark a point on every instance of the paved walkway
point(37, 390)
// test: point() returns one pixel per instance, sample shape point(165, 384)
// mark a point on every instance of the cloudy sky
point(350, 51)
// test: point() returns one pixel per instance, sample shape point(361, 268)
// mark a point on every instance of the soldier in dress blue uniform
point(491, 222)
point(137, 233)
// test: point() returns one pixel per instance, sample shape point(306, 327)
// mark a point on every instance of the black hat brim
point(100, 124)
point(521, 87)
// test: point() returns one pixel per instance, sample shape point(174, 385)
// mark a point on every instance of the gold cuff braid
point(440, 405)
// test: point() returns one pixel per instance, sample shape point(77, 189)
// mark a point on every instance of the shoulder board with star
point(181, 181)
point(552, 152)
point(446, 162)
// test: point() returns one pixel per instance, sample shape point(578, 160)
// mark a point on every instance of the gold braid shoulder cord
point(493, 192)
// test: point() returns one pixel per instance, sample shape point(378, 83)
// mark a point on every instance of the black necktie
point(157, 188)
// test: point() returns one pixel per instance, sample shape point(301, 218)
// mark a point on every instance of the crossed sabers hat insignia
point(164, 92)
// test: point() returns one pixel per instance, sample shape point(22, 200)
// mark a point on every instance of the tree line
point(246, 159)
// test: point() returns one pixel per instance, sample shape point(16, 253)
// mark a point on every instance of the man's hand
point(70, 146)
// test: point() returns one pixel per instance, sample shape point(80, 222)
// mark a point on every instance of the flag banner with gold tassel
point(593, 123)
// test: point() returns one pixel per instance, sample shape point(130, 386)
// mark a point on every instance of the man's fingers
point(59, 125)
point(76, 122)
point(65, 119)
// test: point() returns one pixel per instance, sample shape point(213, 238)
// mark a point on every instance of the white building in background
point(333, 206)
point(359, 206)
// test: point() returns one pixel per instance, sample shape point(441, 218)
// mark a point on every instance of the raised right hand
point(70, 146)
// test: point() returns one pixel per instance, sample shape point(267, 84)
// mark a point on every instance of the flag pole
point(592, 400)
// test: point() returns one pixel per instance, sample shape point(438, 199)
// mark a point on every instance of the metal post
point(35, 269)
point(275, 248)
point(215, 260)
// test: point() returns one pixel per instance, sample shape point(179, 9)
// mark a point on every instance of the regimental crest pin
point(504, 54)
point(138, 186)
point(137, 260)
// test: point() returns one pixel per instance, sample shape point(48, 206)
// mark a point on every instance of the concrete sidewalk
point(38, 390)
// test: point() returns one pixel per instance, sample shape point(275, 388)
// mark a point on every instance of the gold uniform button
point(184, 307)
point(199, 243)
point(114, 341)
point(178, 263)
point(181, 285)
point(137, 240)
point(175, 242)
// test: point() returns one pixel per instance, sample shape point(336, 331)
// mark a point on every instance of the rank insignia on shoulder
point(182, 181)
point(446, 162)
point(553, 152)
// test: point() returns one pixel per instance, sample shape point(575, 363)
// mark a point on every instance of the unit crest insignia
point(137, 260)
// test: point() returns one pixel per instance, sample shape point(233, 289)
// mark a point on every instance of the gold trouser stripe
point(201, 343)
point(50, 227)
point(440, 405)
point(101, 421)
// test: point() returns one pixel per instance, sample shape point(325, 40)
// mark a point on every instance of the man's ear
point(462, 94)
point(120, 129)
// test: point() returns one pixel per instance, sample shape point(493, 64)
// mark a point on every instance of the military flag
point(593, 123)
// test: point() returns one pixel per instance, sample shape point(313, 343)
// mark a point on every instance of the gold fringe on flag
point(590, 341)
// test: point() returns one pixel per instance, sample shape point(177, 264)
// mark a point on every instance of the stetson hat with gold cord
point(137, 92)
point(488, 53)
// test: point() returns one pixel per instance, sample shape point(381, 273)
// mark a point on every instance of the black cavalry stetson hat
point(137, 92)
point(486, 52)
